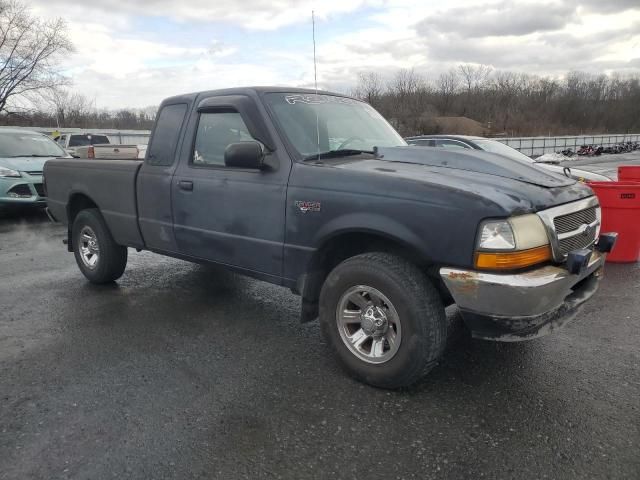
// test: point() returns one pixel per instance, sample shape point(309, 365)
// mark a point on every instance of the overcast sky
point(136, 52)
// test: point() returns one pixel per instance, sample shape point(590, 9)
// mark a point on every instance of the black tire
point(111, 259)
point(419, 309)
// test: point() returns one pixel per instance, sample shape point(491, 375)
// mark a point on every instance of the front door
point(229, 215)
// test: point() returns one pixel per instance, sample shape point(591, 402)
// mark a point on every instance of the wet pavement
point(181, 371)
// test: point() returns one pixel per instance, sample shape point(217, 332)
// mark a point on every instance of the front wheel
point(98, 256)
point(383, 318)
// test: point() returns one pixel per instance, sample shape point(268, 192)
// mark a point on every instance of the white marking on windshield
point(312, 99)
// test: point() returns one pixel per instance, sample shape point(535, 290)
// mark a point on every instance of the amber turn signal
point(512, 260)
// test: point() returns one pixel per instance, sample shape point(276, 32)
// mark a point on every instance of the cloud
point(607, 6)
point(101, 50)
point(251, 14)
point(150, 86)
point(499, 19)
point(543, 39)
point(135, 53)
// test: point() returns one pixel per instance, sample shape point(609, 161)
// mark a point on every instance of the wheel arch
point(347, 243)
point(78, 201)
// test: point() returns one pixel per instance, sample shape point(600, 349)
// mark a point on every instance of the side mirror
point(244, 155)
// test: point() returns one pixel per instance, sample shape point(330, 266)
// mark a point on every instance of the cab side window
point(161, 151)
point(424, 143)
point(450, 144)
point(216, 130)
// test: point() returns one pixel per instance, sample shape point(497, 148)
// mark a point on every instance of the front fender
point(374, 224)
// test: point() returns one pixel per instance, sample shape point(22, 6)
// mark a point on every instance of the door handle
point(185, 185)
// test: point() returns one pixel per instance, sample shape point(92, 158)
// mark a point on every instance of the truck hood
point(24, 164)
point(476, 161)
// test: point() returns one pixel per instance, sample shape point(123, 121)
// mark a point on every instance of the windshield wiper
point(30, 155)
point(343, 152)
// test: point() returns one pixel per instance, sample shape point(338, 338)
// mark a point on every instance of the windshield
point(17, 144)
point(84, 140)
point(500, 148)
point(342, 123)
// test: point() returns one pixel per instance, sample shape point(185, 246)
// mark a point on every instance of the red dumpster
point(620, 202)
point(629, 173)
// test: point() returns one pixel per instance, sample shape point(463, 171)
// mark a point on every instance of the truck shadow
point(199, 302)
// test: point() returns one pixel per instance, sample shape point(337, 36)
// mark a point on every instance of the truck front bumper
point(521, 306)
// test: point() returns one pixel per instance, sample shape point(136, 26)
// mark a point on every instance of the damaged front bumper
point(521, 306)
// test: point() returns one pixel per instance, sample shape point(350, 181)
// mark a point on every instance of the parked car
point(87, 145)
point(499, 148)
point(22, 157)
point(318, 193)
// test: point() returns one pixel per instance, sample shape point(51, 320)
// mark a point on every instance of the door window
point(217, 130)
point(423, 143)
point(446, 143)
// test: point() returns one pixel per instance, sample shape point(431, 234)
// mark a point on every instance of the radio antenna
point(313, 33)
point(315, 77)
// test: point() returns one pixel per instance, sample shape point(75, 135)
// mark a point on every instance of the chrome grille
point(571, 226)
point(34, 173)
point(583, 240)
point(573, 221)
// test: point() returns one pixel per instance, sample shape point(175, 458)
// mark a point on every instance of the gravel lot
point(181, 371)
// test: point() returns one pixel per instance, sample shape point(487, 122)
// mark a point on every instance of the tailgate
point(116, 152)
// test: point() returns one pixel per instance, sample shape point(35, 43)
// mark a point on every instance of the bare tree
point(369, 87)
point(448, 84)
point(29, 52)
point(405, 83)
point(473, 78)
point(513, 103)
point(70, 108)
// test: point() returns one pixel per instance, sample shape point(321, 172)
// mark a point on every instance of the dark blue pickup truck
point(316, 192)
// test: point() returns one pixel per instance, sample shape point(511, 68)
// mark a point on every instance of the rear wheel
point(383, 318)
point(99, 258)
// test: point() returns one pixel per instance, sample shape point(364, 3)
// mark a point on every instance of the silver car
point(499, 148)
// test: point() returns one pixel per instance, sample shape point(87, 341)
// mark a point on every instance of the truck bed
point(110, 184)
point(108, 152)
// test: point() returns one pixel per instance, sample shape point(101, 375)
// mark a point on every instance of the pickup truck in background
point(87, 145)
point(318, 193)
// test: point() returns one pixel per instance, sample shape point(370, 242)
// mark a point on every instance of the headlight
point(7, 172)
point(497, 235)
point(517, 242)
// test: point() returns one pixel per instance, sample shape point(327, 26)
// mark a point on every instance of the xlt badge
point(306, 206)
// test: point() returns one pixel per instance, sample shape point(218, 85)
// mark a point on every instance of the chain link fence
point(116, 137)
point(536, 146)
point(531, 146)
